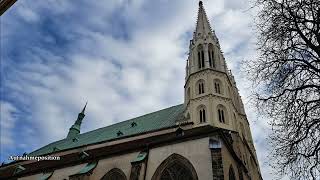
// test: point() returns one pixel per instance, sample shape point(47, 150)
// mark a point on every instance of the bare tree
point(287, 78)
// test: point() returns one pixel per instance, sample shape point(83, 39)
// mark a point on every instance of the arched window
point(200, 86)
point(114, 174)
point(202, 113)
point(200, 57)
point(218, 88)
point(175, 167)
point(231, 173)
point(211, 55)
point(222, 114)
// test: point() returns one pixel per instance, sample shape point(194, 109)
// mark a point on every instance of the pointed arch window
point(200, 86)
point(202, 114)
point(231, 173)
point(201, 64)
point(218, 86)
point(114, 174)
point(222, 114)
point(175, 167)
point(211, 55)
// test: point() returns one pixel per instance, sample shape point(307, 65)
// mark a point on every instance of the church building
point(208, 137)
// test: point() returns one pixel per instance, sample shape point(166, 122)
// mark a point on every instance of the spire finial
point(84, 108)
point(200, 3)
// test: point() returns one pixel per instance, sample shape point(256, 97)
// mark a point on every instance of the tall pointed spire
point(203, 25)
point(75, 128)
point(204, 49)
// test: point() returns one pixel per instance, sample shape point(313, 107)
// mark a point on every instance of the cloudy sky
point(125, 57)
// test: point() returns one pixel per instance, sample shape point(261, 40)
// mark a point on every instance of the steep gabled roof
point(164, 118)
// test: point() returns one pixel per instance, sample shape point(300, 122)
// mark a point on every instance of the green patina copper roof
point(149, 122)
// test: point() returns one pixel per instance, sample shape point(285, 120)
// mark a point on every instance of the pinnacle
point(203, 25)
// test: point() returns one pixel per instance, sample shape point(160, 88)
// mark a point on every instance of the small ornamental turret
point(75, 128)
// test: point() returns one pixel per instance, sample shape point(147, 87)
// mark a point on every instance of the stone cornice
point(221, 97)
point(208, 70)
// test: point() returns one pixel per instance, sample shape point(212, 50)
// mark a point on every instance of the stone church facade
point(208, 137)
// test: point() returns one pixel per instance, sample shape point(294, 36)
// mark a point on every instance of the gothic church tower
point(211, 95)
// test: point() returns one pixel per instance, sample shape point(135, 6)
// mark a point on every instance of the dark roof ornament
point(119, 133)
point(200, 3)
point(18, 169)
point(133, 124)
point(75, 139)
point(55, 149)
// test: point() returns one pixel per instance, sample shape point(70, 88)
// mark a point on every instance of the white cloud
point(27, 14)
point(7, 123)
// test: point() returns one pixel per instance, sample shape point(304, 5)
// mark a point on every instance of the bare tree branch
point(286, 75)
